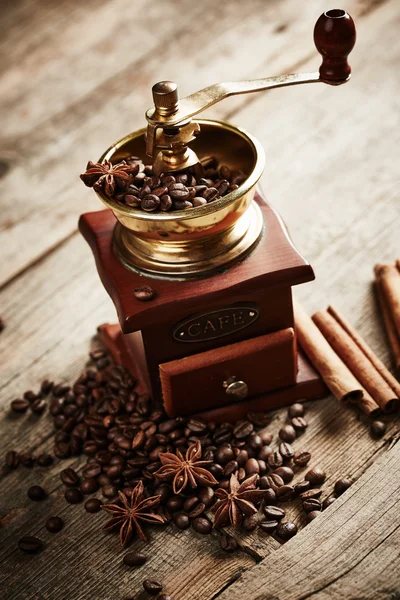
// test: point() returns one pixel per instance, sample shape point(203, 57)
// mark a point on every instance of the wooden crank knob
point(334, 38)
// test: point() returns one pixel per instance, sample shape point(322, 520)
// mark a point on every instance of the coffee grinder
point(213, 333)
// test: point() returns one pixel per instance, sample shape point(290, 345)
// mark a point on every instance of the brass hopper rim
point(198, 211)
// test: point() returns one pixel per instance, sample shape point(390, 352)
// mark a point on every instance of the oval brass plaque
point(215, 324)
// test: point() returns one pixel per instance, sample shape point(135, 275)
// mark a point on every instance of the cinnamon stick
point(332, 369)
point(392, 335)
point(355, 359)
point(372, 357)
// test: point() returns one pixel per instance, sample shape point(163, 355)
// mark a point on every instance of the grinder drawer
point(201, 381)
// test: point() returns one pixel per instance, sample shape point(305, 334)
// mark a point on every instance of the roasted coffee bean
point(243, 429)
point(134, 559)
point(178, 191)
point(211, 194)
point(30, 544)
point(44, 460)
point(144, 294)
point(249, 522)
point(223, 455)
point(254, 441)
point(228, 543)
point(37, 493)
point(54, 524)
point(164, 597)
point(206, 496)
point(216, 470)
point(275, 460)
point(109, 491)
point(150, 202)
point(30, 396)
point(310, 504)
point(165, 202)
point(252, 467)
point(307, 494)
point(93, 469)
point(46, 387)
point(264, 453)
point(182, 521)
point(285, 493)
point(315, 476)
point(269, 496)
point(274, 513)
point(275, 480)
point(182, 204)
point(190, 503)
point(132, 199)
point(230, 468)
point(27, 459)
point(152, 586)
point(301, 487)
point(285, 472)
point(12, 459)
point(296, 410)
point(286, 451)
point(287, 433)
point(378, 429)
point(242, 457)
point(93, 505)
point(19, 405)
point(175, 503)
point(160, 190)
point(268, 526)
point(197, 201)
point(312, 515)
point(286, 530)
point(202, 525)
point(301, 458)
point(327, 502)
point(38, 406)
point(73, 495)
point(70, 477)
point(341, 486)
point(299, 424)
point(89, 486)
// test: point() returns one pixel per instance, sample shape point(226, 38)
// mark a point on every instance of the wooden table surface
point(77, 76)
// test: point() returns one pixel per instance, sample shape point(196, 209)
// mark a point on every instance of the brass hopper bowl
point(197, 241)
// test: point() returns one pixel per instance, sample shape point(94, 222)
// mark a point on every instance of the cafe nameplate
point(215, 324)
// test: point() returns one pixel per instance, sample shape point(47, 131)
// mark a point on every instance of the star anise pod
point(184, 471)
point(107, 178)
point(135, 508)
point(238, 501)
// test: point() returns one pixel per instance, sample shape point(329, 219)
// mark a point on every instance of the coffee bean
point(73, 495)
point(223, 455)
point(27, 459)
point(299, 424)
point(228, 543)
point(315, 476)
point(243, 429)
point(37, 493)
point(285, 493)
point(286, 451)
point(19, 405)
point(144, 294)
point(286, 530)
point(269, 496)
point(12, 459)
point(30, 396)
point(301, 458)
point(311, 504)
point(165, 203)
point(44, 460)
point(150, 202)
point(109, 491)
point(178, 191)
point(38, 406)
point(275, 480)
point(30, 544)
point(327, 502)
point(268, 526)
point(182, 204)
point(69, 477)
point(206, 496)
point(264, 453)
point(46, 387)
point(378, 429)
point(91, 470)
point(314, 493)
point(275, 460)
point(254, 441)
point(93, 505)
point(152, 586)
point(182, 521)
point(54, 524)
point(89, 486)
point(287, 433)
point(260, 419)
point(211, 194)
point(312, 515)
point(274, 513)
point(301, 487)
point(202, 525)
point(197, 201)
point(285, 472)
point(296, 410)
point(252, 467)
point(341, 486)
point(134, 559)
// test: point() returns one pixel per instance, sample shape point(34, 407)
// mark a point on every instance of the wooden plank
point(105, 102)
point(350, 551)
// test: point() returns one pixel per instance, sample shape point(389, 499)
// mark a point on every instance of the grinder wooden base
point(308, 386)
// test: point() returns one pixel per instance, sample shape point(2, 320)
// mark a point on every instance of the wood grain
point(331, 171)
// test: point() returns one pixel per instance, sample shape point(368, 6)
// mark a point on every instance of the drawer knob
point(237, 390)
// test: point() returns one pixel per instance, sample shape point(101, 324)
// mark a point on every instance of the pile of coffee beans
point(179, 191)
